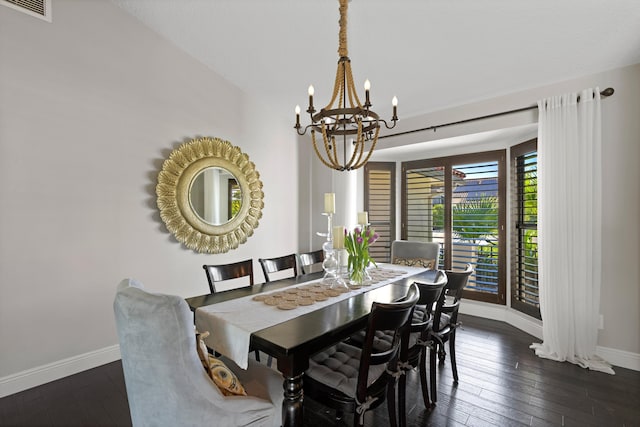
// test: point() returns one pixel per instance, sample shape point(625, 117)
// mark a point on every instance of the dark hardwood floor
point(502, 383)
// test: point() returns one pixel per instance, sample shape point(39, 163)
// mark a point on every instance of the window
point(524, 245)
point(380, 203)
point(459, 201)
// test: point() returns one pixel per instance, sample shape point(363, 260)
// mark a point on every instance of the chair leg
point(391, 403)
point(452, 355)
point(433, 351)
point(423, 379)
point(402, 400)
point(442, 354)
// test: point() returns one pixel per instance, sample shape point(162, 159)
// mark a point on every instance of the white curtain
point(569, 227)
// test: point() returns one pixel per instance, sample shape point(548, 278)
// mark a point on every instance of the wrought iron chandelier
point(345, 119)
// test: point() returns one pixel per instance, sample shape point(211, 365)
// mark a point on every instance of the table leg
point(292, 409)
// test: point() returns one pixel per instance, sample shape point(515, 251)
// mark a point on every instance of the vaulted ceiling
point(431, 54)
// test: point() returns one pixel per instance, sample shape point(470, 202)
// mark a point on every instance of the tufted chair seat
point(338, 368)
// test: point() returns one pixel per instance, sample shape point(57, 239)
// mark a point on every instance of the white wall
point(620, 303)
point(90, 106)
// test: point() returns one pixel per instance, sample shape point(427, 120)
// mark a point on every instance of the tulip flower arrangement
point(357, 245)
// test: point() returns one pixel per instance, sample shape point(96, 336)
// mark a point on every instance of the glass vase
point(358, 274)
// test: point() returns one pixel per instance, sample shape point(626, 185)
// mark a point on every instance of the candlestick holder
point(340, 283)
point(330, 263)
point(329, 216)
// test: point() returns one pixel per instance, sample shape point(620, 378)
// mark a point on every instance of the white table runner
point(231, 323)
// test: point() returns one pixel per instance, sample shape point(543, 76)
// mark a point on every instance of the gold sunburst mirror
point(210, 195)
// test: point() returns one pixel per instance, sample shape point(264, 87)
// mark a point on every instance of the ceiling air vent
point(38, 8)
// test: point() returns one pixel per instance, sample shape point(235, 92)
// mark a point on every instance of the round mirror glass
point(215, 195)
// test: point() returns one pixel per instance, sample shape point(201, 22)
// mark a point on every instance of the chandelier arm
point(373, 146)
point(304, 131)
point(386, 125)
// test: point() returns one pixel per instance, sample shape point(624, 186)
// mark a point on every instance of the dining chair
point(274, 265)
point(355, 380)
point(445, 323)
point(308, 261)
point(218, 273)
point(419, 254)
point(419, 342)
point(165, 380)
point(237, 270)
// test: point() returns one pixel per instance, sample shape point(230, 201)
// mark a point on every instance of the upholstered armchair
point(165, 379)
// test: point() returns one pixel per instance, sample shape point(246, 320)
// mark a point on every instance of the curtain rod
point(605, 93)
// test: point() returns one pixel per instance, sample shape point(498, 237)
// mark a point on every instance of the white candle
point(329, 203)
point(363, 218)
point(338, 237)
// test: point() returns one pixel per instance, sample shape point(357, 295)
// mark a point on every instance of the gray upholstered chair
point(415, 253)
point(165, 380)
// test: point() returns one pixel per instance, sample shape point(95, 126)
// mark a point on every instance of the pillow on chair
point(416, 262)
point(222, 376)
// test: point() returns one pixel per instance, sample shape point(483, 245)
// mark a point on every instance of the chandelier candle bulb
point(311, 91)
point(394, 102)
point(363, 218)
point(338, 237)
point(297, 116)
point(367, 86)
point(329, 203)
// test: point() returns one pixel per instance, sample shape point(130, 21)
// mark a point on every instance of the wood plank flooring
point(502, 383)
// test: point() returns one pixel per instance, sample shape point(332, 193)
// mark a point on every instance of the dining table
point(292, 341)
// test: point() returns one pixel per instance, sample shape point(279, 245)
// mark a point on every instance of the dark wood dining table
point(292, 342)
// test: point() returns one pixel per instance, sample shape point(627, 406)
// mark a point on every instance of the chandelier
point(345, 120)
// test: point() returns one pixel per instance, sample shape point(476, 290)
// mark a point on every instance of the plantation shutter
point(524, 219)
point(424, 206)
point(379, 202)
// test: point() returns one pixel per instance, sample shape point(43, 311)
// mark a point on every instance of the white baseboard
point(53, 371)
point(624, 359)
point(532, 326)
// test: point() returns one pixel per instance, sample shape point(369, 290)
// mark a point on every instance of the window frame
point(448, 162)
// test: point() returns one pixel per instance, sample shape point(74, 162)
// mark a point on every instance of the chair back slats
point(457, 280)
point(219, 273)
point(308, 259)
point(429, 295)
point(273, 265)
